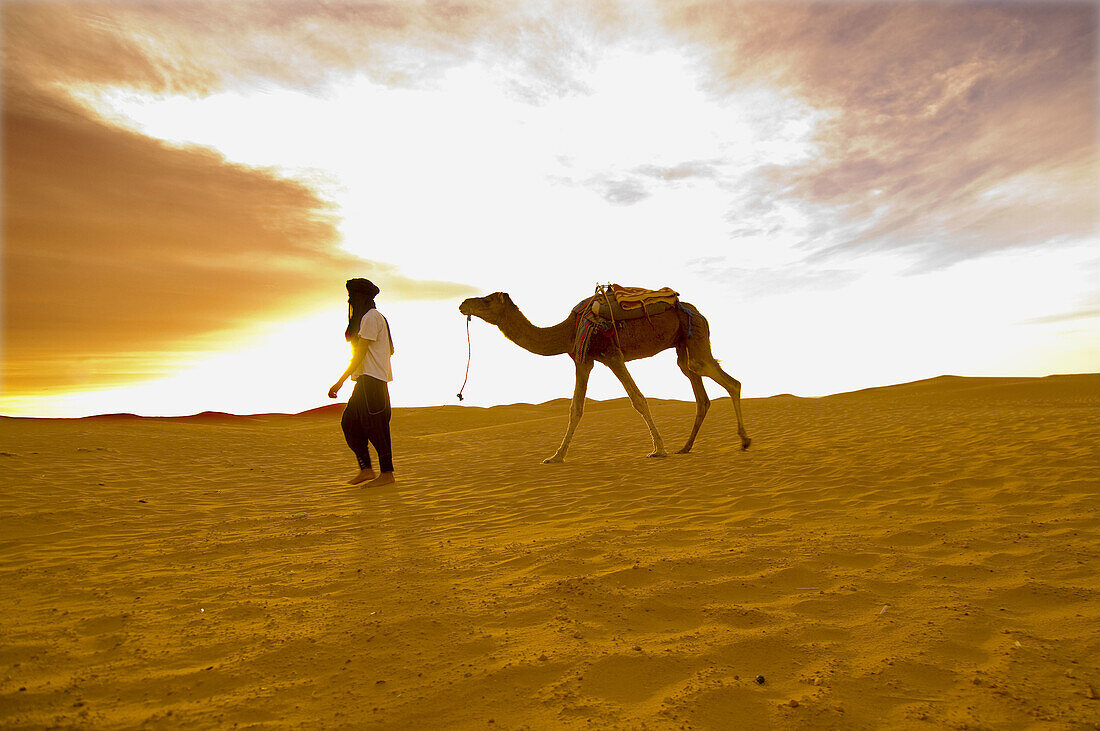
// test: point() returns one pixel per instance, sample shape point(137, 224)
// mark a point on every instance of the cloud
point(636, 185)
point(958, 128)
point(123, 255)
point(204, 47)
point(769, 281)
point(682, 171)
point(1086, 314)
point(624, 192)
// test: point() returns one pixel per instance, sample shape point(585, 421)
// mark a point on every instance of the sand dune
point(923, 555)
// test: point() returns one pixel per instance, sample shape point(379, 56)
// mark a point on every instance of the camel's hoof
point(745, 443)
point(684, 450)
point(657, 455)
point(553, 460)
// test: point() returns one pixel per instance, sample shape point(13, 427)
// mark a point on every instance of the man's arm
point(359, 351)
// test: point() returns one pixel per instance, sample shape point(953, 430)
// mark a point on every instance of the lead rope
point(469, 353)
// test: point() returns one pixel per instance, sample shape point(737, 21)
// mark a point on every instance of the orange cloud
point(117, 246)
point(202, 47)
point(123, 254)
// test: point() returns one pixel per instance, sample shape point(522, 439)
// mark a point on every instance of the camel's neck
point(553, 340)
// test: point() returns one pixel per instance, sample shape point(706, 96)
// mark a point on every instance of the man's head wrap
point(364, 286)
point(361, 293)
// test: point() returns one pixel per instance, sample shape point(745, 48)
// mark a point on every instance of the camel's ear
point(503, 296)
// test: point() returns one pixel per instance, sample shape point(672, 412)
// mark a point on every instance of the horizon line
point(341, 404)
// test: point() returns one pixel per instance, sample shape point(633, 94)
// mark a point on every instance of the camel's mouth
point(464, 308)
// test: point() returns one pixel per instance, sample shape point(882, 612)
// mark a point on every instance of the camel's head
point(490, 308)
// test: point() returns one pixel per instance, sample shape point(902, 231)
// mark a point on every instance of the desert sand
point(916, 556)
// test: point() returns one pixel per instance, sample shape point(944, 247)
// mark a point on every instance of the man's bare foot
point(363, 476)
point(386, 478)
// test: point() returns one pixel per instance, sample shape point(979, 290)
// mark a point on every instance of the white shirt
point(376, 362)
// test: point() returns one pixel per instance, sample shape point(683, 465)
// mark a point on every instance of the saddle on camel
point(614, 303)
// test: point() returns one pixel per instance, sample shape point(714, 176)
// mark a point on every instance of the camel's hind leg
point(701, 361)
point(712, 370)
point(576, 410)
point(618, 367)
point(702, 401)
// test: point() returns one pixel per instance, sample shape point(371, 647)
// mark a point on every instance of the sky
point(853, 193)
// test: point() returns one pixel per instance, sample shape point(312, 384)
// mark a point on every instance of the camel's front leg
point(618, 367)
point(576, 410)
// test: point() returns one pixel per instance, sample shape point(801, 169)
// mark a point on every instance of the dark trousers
point(366, 421)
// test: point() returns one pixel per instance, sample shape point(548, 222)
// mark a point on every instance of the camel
point(638, 338)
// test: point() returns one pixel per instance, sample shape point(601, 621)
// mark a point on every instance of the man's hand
point(335, 389)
